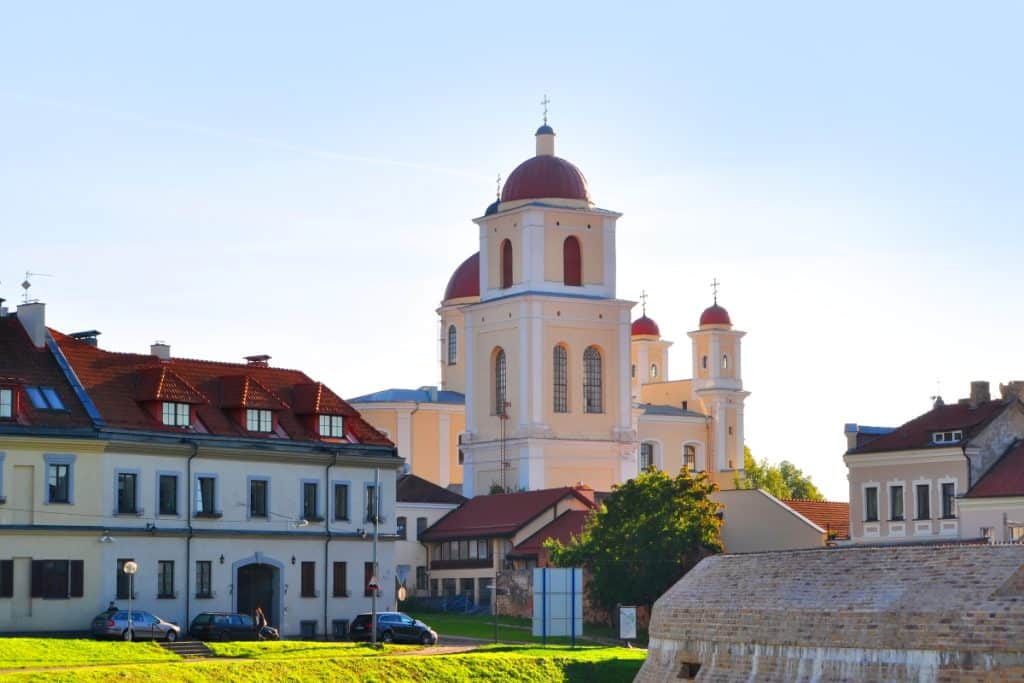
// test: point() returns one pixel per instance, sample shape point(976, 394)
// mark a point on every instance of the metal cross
point(643, 299)
point(714, 289)
point(545, 102)
point(497, 192)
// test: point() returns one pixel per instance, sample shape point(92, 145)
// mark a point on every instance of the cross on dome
point(643, 300)
point(714, 289)
point(544, 103)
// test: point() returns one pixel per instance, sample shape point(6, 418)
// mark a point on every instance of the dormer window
point(954, 436)
point(176, 414)
point(332, 426)
point(6, 404)
point(257, 420)
point(44, 398)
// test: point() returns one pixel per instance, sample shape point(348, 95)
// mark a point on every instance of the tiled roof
point(411, 395)
point(111, 380)
point(162, 384)
point(316, 399)
point(502, 514)
point(832, 516)
point(1004, 478)
point(413, 489)
point(918, 432)
point(567, 525)
point(22, 364)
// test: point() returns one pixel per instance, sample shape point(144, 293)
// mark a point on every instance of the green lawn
point(510, 629)
point(302, 649)
point(18, 653)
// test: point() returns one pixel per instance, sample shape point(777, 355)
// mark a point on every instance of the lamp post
point(375, 580)
point(130, 567)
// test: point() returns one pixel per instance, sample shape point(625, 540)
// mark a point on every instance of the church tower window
point(592, 380)
point(725, 362)
point(500, 377)
point(704, 362)
point(506, 264)
point(561, 380)
point(452, 344)
point(572, 262)
point(654, 370)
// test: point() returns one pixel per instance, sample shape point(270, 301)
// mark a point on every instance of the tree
point(648, 533)
point(784, 480)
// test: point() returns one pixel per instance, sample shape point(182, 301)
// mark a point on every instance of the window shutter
point(37, 578)
point(6, 578)
point(77, 579)
point(340, 571)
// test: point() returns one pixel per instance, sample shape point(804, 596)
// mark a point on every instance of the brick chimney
point(979, 393)
point(32, 317)
point(160, 349)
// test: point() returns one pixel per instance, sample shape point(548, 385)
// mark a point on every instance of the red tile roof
point(567, 525)
point(162, 384)
point(502, 514)
point(832, 516)
point(112, 380)
point(1004, 478)
point(918, 432)
point(316, 399)
point(413, 489)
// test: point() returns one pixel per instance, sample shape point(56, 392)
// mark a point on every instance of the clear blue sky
point(298, 179)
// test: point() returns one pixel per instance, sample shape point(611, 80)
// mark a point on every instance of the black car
point(393, 627)
point(228, 626)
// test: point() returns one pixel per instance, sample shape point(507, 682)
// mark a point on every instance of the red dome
point(715, 315)
point(644, 325)
point(545, 176)
point(465, 281)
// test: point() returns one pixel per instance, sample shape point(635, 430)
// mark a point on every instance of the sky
point(299, 179)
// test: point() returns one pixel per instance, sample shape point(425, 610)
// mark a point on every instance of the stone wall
point(518, 601)
point(947, 613)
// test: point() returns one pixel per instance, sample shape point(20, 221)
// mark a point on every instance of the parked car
point(145, 626)
point(229, 626)
point(393, 627)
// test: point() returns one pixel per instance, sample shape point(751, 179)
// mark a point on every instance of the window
point(58, 579)
point(340, 585)
point(332, 426)
point(592, 380)
point(123, 580)
point(258, 420)
point(176, 414)
point(448, 588)
point(572, 263)
point(127, 486)
point(341, 502)
point(310, 508)
point(168, 494)
point(500, 370)
point(206, 501)
point(308, 580)
point(704, 362)
point(948, 500)
point(204, 579)
point(561, 380)
point(632, 370)
point(44, 398)
point(654, 370)
point(6, 578)
point(6, 403)
point(725, 362)
point(421, 526)
point(421, 578)
point(871, 504)
point(367, 578)
point(58, 480)
point(400, 523)
point(646, 455)
point(452, 345)
point(954, 436)
point(371, 503)
point(896, 503)
point(165, 579)
point(690, 457)
point(506, 264)
point(923, 503)
point(258, 497)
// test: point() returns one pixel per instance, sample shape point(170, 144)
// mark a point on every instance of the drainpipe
point(327, 526)
point(188, 540)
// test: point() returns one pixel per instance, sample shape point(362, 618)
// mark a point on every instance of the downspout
point(327, 526)
point(188, 540)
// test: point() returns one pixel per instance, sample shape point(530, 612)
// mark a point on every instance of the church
point(546, 380)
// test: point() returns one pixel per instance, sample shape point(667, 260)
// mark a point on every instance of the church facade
point(558, 385)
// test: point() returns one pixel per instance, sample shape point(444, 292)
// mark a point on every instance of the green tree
point(784, 480)
point(648, 533)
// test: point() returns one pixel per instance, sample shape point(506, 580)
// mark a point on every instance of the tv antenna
point(28, 283)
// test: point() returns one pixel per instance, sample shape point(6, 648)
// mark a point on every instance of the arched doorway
point(258, 584)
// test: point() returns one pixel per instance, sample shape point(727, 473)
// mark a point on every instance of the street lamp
point(130, 567)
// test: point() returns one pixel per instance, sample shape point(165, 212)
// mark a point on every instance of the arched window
point(725, 362)
point(690, 457)
point(592, 380)
point(654, 370)
point(704, 362)
point(500, 387)
point(646, 455)
point(452, 345)
point(572, 262)
point(506, 264)
point(560, 378)
point(501, 375)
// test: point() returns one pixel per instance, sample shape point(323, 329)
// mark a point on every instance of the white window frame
point(948, 436)
point(248, 497)
point(698, 456)
point(889, 485)
point(335, 426)
point(174, 411)
point(197, 494)
point(59, 459)
point(864, 502)
point(316, 502)
point(931, 501)
point(138, 490)
point(956, 489)
point(6, 403)
point(257, 416)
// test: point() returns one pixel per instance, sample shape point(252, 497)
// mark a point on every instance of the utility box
point(558, 602)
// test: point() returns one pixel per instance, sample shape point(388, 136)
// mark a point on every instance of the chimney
point(257, 361)
point(87, 336)
point(1013, 389)
point(32, 316)
point(3, 309)
point(979, 393)
point(851, 430)
point(431, 391)
point(160, 349)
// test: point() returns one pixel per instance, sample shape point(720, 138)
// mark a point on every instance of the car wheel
point(426, 639)
point(171, 635)
point(387, 637)
point(127, 635)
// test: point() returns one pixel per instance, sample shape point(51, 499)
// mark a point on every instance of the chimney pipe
point(32, 316)
point(160, 349)
point(258, 361)
point(979, 393)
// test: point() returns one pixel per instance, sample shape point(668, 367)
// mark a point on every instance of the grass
point(301, 649)
point(16, 653)
point(510, 629)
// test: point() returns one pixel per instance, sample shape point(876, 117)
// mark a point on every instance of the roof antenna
point(643, 299)
point(26, 284)
point(937, 398)
point(714, 289)
point(544, 103)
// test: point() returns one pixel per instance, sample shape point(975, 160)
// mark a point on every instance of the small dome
point(493, 208)
point(545, 176)
point(645, 326)
point(465, 281)
point(545, 130)
point(715, 315)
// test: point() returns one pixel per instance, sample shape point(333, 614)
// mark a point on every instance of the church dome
point(545, 176)
point(465, 281)
point(715, 315)
point(645, 326)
